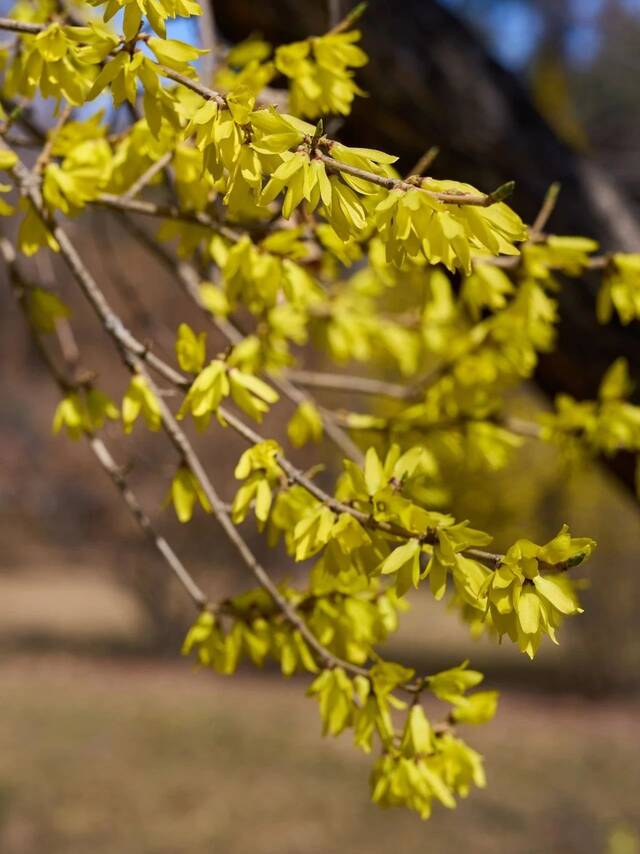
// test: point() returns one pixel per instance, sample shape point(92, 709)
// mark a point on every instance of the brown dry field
point(123, 754)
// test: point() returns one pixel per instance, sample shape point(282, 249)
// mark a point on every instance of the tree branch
point(483, 200)
point(349, 384)
point(189, 278)
point(173, 212)
point(136, 357)
point(147, 176)
point(21, 27)
point(99, 448)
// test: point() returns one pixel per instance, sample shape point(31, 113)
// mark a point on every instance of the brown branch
point(123, 203)
point(349, 19)
point(349, 384)
point(113, 325)
point(483, 200)
point(450, 198)
point(45, 154)
point(136, 357)
point(147, 176)
point(513, 262)
point(295, 475)
point(383, 424)
point(21, 27)
point(98, 447)
point(425, 161)
point(548, 206)
point(190, 279)
point(175, 564)
point(191, 83)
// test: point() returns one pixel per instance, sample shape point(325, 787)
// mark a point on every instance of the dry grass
point(146, 758)
point(136, 756)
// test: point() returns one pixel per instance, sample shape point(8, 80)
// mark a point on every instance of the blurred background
point(109, 742)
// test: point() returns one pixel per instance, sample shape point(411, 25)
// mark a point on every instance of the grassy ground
point(140, 757)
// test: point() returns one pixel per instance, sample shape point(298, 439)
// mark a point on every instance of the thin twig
point(482, 200)
point(190, 83)
point(136, 357)
point(147, 176)
point(175, 564)
point(45, 154)
point(183, 446)
point(100, 449)
point(363, 421)
point(425, 161)
point(21, 26)
point(548, 206)
point(190, 280)
point(349, 19)
point(64, 333)
point(349, 384)
point(141, 206)
point(450, 198)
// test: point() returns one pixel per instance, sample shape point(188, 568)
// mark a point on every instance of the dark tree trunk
point(432, 83)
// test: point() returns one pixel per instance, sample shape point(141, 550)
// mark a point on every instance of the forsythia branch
point(100, 450)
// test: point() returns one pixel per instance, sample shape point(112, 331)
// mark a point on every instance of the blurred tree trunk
point(433, 83)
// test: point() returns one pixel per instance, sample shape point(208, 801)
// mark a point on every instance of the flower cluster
point(320, 73)
point(283, 240)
